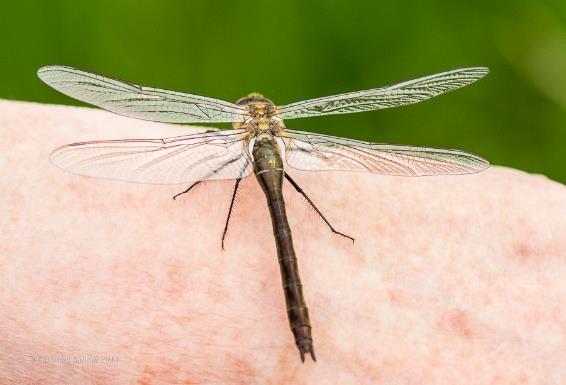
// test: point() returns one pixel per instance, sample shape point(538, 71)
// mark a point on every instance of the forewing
point(190, 158)
point(412, 91)
point(137, 101)
point(316, 152)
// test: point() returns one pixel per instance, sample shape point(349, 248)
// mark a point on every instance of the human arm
point(451, 279)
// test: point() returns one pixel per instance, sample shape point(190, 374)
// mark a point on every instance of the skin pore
point(451, 279)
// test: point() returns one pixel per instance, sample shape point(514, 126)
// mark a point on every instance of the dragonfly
point(258, 143)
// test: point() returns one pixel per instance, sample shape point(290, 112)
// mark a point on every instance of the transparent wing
point(181, 159)
point(308, 151)
point(137, 101)
point(412, 91)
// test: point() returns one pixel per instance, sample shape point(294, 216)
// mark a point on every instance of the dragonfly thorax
point(260, 115)
point(264, 137)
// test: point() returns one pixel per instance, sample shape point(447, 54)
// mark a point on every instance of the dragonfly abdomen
point(268, 167)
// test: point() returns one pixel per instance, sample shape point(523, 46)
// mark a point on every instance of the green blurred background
point(292, 50)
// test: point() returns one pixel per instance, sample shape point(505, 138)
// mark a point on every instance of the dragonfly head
point(255, 95)
point(254, 98)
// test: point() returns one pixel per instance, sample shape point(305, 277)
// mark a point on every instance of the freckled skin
point(118, 269)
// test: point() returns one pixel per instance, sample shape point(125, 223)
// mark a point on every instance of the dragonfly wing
point(309, 151)
point(190, 158)
point(137, 101)
point(412, 91)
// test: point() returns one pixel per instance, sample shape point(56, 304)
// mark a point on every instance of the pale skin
point(456, 279)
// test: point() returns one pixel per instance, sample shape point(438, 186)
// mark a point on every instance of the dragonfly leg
point(187, 190)
point(301, 191)
point(212, 172)
point(230, 210)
